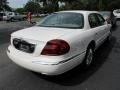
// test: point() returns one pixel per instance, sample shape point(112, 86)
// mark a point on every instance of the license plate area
point(23, 46)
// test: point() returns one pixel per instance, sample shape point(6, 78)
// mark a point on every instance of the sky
point(17, 3)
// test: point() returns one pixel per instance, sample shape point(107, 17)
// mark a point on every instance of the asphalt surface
point(7, 28)
point(103, 75)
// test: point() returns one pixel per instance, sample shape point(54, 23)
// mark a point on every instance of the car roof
point(104, 11)
point(80, 11)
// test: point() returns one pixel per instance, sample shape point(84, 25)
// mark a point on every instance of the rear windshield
point(63, 20)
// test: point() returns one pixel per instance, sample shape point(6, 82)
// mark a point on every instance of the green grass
point(37, 18)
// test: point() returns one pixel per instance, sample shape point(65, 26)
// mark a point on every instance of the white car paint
point(78, 39)
point(15, 16)
point(117, 13)
point(4, 16)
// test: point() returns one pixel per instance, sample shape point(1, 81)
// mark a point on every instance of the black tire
point(109, 38)
point(20, 19)
point(24, 19)
point(89, 57)
point(7, 21)
point(114, 25)
point(12, 19)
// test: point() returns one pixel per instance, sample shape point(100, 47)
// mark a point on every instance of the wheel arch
point(92, 44)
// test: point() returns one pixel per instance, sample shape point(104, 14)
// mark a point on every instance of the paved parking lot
point(7, 28)
point(103, 75)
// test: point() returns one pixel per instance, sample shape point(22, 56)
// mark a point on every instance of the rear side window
point(101, 20)
point(10, 14)
point(93, 21)
point(1, 14)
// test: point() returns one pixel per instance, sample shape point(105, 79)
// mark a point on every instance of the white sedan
point(60, 42)
point(117, 13)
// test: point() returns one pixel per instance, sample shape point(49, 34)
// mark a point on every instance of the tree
point(52, 5)
point(32, 7)
point(4, 5)
point(43, 1)
point(75, 4)
point(20, 10)
point(115, 4)
point(100, 4)
point(49, 6)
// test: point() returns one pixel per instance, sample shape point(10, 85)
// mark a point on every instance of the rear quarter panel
point(78, 41)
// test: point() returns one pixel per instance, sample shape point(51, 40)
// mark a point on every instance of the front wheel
point(24, 19)
point(109, 37)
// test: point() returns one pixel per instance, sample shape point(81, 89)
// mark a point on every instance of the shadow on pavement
point(116, 27)
point(5, 37)
point(78, 74)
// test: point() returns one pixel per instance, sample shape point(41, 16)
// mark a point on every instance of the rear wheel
point(12, 19)
point(88, 57)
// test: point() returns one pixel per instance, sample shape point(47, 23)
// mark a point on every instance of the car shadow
point(116, 27)
point(5, 36)
point(79, 74)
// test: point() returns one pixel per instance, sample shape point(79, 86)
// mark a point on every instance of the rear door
point(97, 23)
point(102, 24)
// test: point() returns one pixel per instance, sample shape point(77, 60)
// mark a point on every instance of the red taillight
point(56, 47)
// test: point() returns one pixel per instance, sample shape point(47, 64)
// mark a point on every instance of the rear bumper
point(36, 63)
